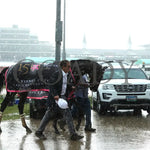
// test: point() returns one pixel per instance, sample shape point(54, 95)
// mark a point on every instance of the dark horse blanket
point(29, 76)
point(37, 94)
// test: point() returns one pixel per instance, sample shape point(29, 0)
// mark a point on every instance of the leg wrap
point(22, 116)
point(1, 114)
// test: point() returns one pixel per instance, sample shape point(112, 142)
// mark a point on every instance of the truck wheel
point(33, 113)
point(101, 109)
point(94, 105)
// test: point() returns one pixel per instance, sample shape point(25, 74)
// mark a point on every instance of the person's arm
point(56, 88)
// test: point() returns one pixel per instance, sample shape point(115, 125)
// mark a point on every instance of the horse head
point(96, 75)
point(92, 68)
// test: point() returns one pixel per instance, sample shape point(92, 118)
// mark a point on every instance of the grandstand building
point(18, 43)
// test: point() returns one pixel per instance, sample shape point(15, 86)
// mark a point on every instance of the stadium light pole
point(58, 32)
point(64, 33)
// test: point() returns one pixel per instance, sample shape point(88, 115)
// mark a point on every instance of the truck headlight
point(108, 87)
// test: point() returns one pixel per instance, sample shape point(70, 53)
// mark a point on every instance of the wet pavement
point(123, 131)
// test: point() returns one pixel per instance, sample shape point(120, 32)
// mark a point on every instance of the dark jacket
point(55, 89)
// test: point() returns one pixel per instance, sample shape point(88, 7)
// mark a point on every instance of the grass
point(12, 112)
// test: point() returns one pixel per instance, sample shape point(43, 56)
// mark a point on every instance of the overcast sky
point(105, 23)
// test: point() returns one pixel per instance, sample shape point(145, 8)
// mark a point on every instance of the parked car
point(37, 100)
point(122, 87)
point(146, 68)
point(37, 108)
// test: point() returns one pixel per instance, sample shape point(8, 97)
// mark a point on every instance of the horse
point(95, 72)
point(28, 76)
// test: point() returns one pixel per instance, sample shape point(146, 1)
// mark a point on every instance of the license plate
point(131, 98)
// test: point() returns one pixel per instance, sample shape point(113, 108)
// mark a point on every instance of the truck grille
point(130, 88)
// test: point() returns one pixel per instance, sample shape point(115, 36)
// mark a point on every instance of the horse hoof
point(28, 130)
point(57, 132)
point(0, 130)
point(77, 128)
point(62, 124)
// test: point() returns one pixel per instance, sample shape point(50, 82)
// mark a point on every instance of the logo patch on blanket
point(29, 76)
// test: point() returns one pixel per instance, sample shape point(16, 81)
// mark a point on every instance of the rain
point(123, 131)
point(110, 31)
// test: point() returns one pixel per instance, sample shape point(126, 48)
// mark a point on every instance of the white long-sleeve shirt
point(64, 85)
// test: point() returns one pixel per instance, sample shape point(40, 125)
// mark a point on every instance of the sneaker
point(75, 137)
point(89, 129)
point(40, 135)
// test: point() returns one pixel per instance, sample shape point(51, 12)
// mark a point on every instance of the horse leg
point(80, 115)
point(22, 100)
point(78, 123)
point(9, 96)
point(1, 114)
point(55, 126)
point(60, 120)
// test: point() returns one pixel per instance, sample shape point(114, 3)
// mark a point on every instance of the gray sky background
point(105, 23)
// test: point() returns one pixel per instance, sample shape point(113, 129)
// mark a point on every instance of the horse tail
point(2, 78)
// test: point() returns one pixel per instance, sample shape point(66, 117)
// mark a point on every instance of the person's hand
point(56, 97)
point(73, 88)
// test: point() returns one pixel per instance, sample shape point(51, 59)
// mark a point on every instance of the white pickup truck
point(123, 87)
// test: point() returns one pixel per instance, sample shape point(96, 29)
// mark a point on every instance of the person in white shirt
point(58, 91)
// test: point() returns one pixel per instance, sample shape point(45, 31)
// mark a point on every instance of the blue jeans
point(83, 104)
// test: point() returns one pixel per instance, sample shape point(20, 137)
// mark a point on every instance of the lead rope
point(71, 94)
point(72, 75)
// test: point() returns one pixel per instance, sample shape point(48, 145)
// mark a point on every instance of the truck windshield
point(119, 73)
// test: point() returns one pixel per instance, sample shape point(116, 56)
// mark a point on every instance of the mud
point(123, 131)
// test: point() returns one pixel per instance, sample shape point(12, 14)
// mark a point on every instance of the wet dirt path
point(123, 131)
